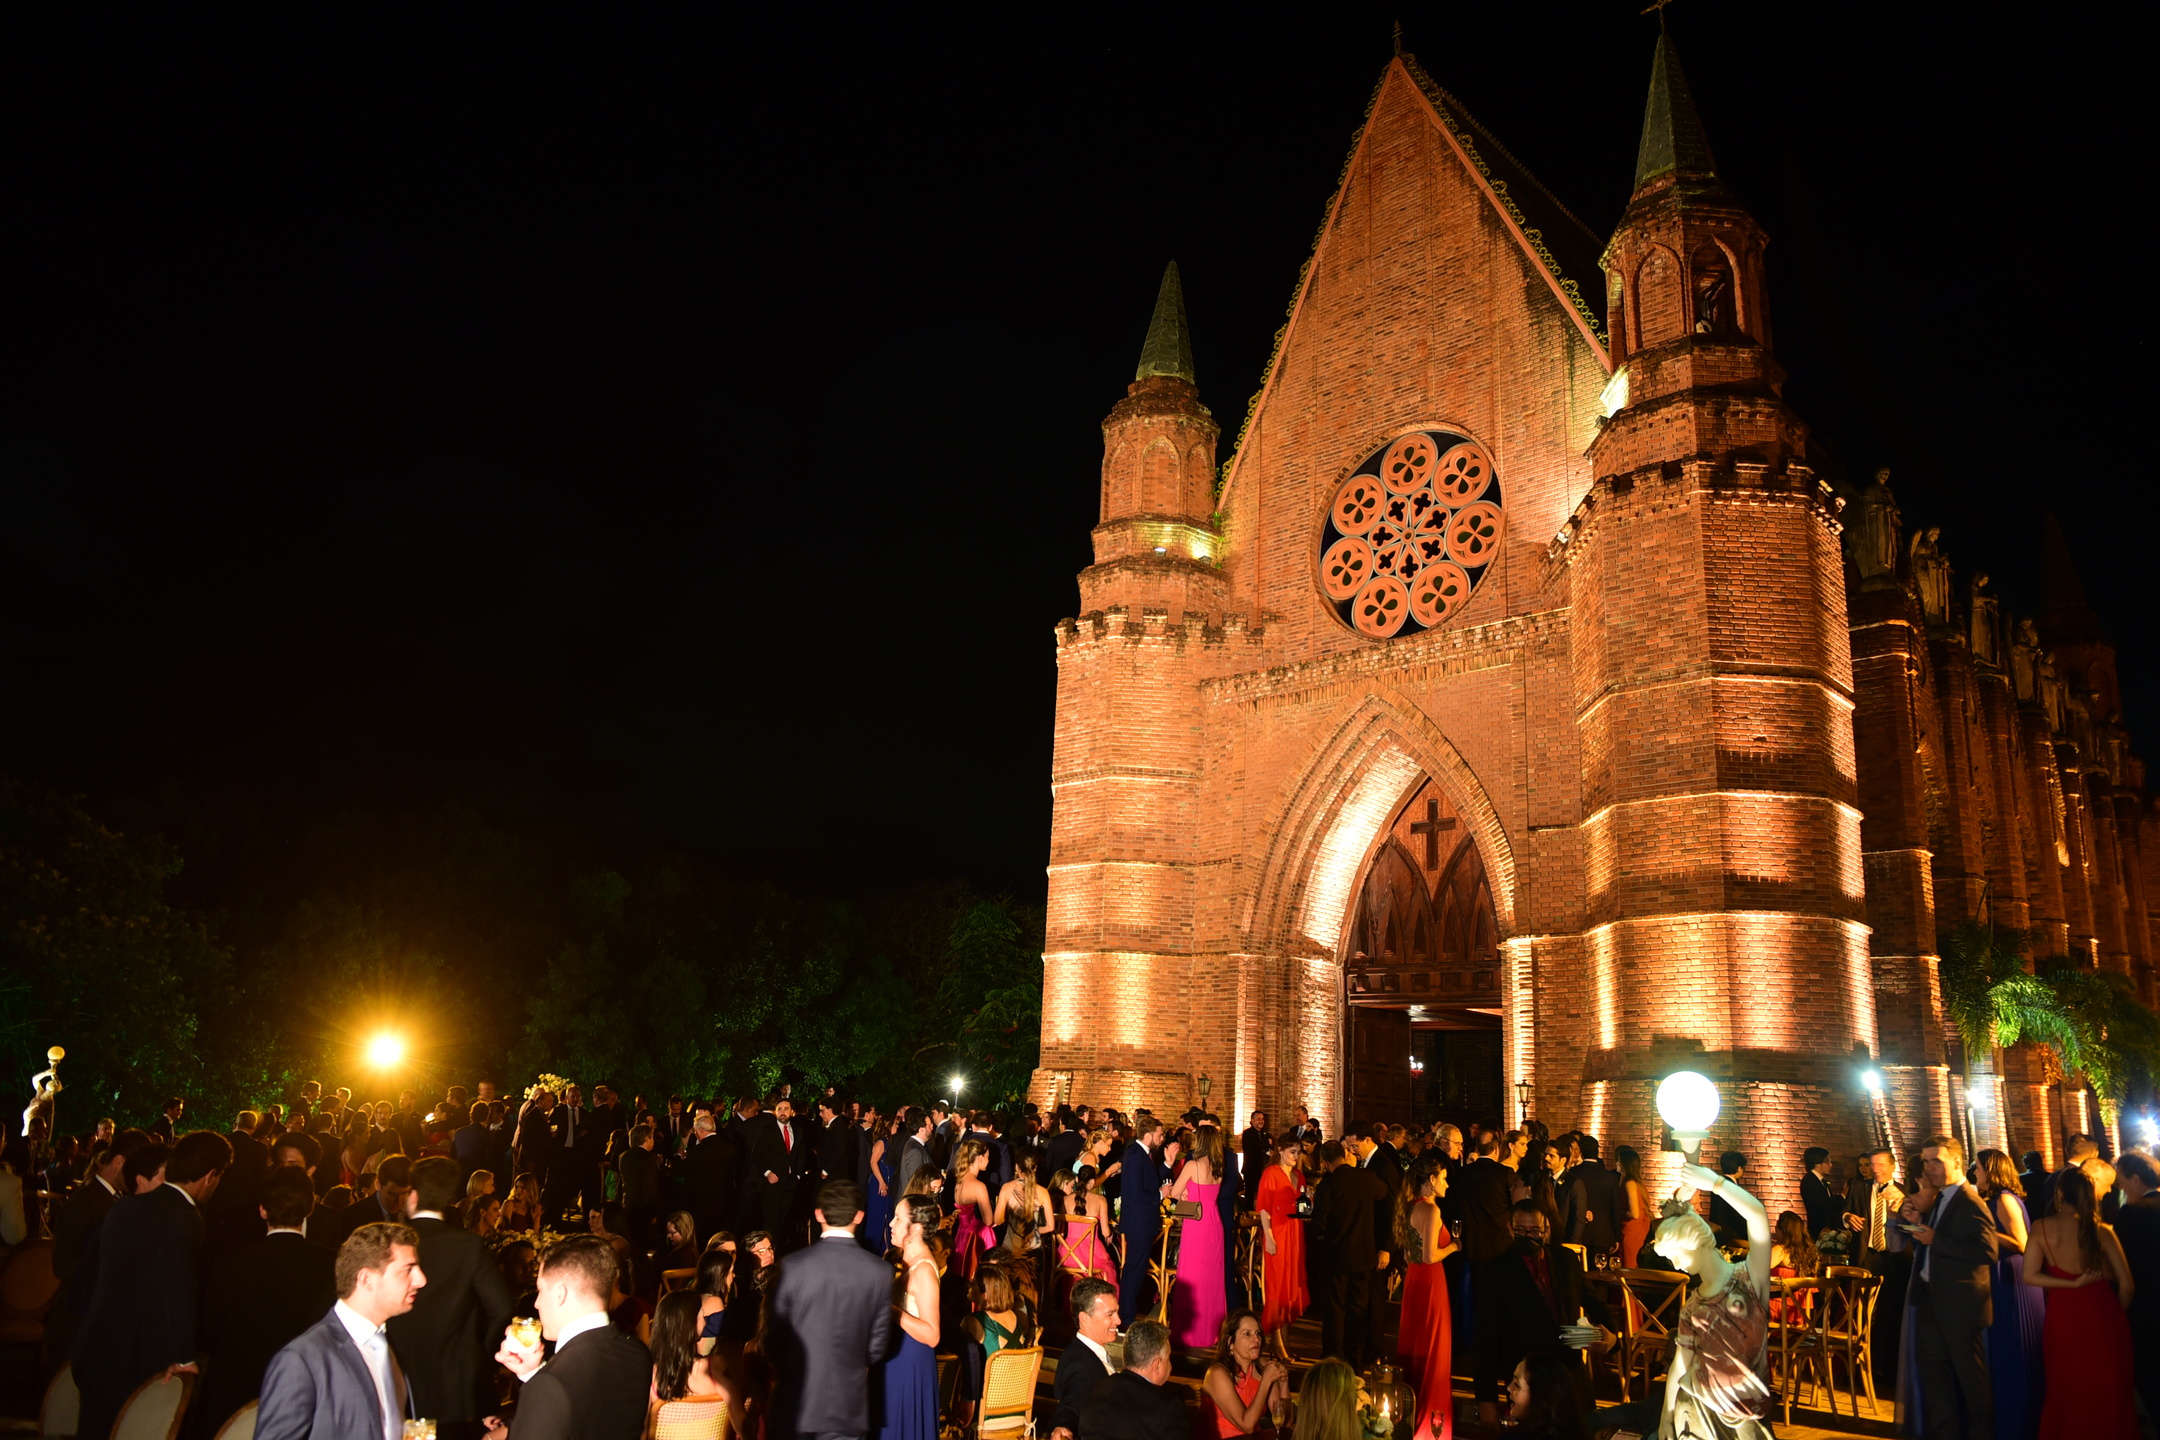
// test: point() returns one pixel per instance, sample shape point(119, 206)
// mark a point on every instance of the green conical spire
point(1168, 350)
point(1673, 142)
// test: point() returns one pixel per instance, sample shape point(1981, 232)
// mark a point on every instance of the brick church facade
point(1521, 706)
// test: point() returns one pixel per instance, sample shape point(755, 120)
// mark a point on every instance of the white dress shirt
point(597, 1320)
point(382, 1366)
point(1100, 1353)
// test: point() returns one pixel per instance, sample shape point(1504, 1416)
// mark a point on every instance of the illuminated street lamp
point(1522, 1101)
point(958, 1080)
point(1688, 1104)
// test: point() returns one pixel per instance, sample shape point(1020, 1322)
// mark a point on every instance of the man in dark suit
point(1953, 1297)
point(1086, 1361)
point(574, 1179)
point(1824, 1210)
point(231, 1219)
point(2032, 1179)
point(76, 1221)
point(167, 1126)
point(778, 1157)
point(339, 1379)
point(1347, 1255)
point(674, 1132)
point(537, 1140)
point(831, 1320)
point(639, 1167)
point(473, 1146)
point(712, 1181)
point(1378, 1155)
point(261, 1296)
point(140, 1321)
point(836, 1142)
point(393, 1181)
point(407, 1122)
point(1487, 1195)
point(1137, 1403)
point(442, 1341)
point(2079, 1148)
point(1590, 1217)
point(1728, 1224)
point(2137, 1226)
point(1871, 1209)
point(1524, 1295)
point(1141, 1186)
point(595, 1384)
point(1257, 1147)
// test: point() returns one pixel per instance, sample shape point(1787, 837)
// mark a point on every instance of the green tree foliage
point(97, 962)
point(493, 954)
point(2090, 1018)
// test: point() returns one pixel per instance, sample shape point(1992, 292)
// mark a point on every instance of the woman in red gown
point(1427, 1329)
point(1282, 1241)
point(2085, 1344)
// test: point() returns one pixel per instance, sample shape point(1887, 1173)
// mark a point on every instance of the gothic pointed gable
point(1447, 291)
point(1168, 350)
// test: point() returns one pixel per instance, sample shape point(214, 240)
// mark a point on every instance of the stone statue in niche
point(1872, 537)
point(1986, 615)
point(1713, 296)
point(2025, 662)
point(1931, 575)
point(2051, 691)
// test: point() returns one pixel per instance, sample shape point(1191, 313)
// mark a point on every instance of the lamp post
point(1522, 1102)
point(1206, 1084)
point(53, 1057)
point(1688, 1104)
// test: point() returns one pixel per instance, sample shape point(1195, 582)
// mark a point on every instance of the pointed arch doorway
point(1421, 975)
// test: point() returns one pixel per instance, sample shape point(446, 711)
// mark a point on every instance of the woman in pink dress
point(1200, 1296)
point(972, 1233)
point(2085, 1343)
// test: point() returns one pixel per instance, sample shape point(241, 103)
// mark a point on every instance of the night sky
point(684, 434)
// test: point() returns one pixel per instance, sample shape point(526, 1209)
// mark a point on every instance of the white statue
point(1718, 1387)
point(44, 1086)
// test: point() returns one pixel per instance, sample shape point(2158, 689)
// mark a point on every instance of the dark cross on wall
point(1430, 827)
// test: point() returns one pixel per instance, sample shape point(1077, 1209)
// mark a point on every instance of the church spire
point(1168, 350)
point(1673, 142)
point(2065, 614)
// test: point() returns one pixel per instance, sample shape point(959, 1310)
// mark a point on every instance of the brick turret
point(1713, 690)
point(1157, 545)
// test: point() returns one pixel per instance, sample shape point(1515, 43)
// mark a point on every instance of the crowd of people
point(780, 1265)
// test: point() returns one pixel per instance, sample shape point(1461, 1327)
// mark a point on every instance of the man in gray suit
point(340, 1380)
point(1953, 1305)
point(831, 1321)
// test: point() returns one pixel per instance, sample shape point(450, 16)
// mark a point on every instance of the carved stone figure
point(2025, 662)
point(1985, 617)
point(1931, 575)
point(1872, 537)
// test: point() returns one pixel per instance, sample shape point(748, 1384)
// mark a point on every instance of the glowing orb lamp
point(1688, 1103)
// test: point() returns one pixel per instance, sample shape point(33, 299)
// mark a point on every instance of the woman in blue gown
point(907, 1383)
point(2014, 1355)
point(878, 1195)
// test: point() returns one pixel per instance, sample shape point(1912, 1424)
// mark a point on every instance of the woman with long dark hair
point(1636, 1227)
point(1240, 1384)
point(1282, 1240)
point(2086, 1341)
point(2016, 1360)
point(1427, 1328)
point(1542, 1403)
point(679, 1356)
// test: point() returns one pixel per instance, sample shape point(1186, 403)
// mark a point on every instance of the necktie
point(787, 1138)
point(379, 1364)
point(1875, 1221)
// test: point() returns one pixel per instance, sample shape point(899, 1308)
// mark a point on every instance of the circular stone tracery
point(1411, 533)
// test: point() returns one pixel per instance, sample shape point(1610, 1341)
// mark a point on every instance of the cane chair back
point(1008, 1393)
point(155, 1410)
point(693, 1417)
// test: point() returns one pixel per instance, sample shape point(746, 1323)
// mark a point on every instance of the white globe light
point(1978, 1097)
point(1687, 1102)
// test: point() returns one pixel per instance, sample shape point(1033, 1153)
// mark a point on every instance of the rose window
point(1410, 535)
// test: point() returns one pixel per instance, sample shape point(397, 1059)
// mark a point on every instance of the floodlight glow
point(957, 1082)
point(1978, 1097)
point(1873, 1081)
point(384, 1051)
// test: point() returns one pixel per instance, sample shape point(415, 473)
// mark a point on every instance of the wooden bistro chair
point(1650, 1308)
point(241, 1426)
point(155, 1410)
point(1795, 1340)
point(28, 1287)
point(674, 1280)
point(694, 1417)
point(1008, 1394)
point(1848, 1328)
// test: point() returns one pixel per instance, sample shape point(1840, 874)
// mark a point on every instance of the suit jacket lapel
point(349, 1351)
